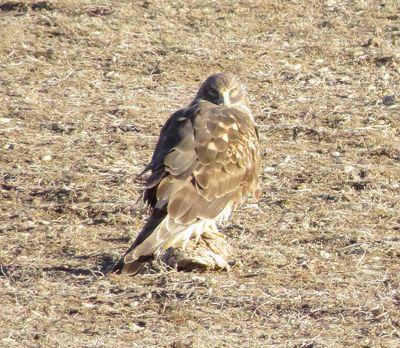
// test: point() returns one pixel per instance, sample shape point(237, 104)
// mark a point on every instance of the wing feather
point(214, 153)
point(205, 161)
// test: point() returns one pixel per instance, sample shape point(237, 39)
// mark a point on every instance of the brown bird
point(206, 162)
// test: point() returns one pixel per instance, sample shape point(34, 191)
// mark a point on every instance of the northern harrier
point(206, 161)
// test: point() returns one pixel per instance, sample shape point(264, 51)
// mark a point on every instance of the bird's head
point(222, 89)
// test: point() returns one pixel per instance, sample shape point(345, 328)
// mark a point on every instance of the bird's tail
point(159, 233)
point(133, 261)
point(131, 268)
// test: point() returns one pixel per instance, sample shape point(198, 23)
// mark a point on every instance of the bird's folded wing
point(207, 157)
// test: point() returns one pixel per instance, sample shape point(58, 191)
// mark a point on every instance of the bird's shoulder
point(202, 127)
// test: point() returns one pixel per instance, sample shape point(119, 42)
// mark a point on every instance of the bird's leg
point(197, 233)
point(211, 231)
point(185, 243)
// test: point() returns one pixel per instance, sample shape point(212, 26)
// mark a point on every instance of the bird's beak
point(226, 99)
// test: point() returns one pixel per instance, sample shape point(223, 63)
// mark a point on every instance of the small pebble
point(294, 67)
point(325, 254)
point(348, 168)
point(134, 327)
point(5, 120)
point(28, 225)
point(389, 100)
point(46, 158)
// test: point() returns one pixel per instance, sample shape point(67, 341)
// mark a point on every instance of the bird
point(206, 162)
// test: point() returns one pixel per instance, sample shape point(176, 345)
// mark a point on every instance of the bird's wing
point(207, 158)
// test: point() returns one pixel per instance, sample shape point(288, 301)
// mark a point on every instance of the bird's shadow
point(72, 271)
point(104, 266)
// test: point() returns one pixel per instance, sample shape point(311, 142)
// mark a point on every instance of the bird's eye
point(234, 92)
point(213, 92)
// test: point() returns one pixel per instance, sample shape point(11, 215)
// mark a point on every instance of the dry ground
point(85, 87)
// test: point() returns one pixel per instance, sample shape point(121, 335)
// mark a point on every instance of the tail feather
point(159, 233)
point(131, 268)
point(129, 265)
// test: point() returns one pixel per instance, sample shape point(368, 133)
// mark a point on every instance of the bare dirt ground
point(85, 87)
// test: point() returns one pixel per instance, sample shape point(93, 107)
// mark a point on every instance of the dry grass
point(84, 89)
